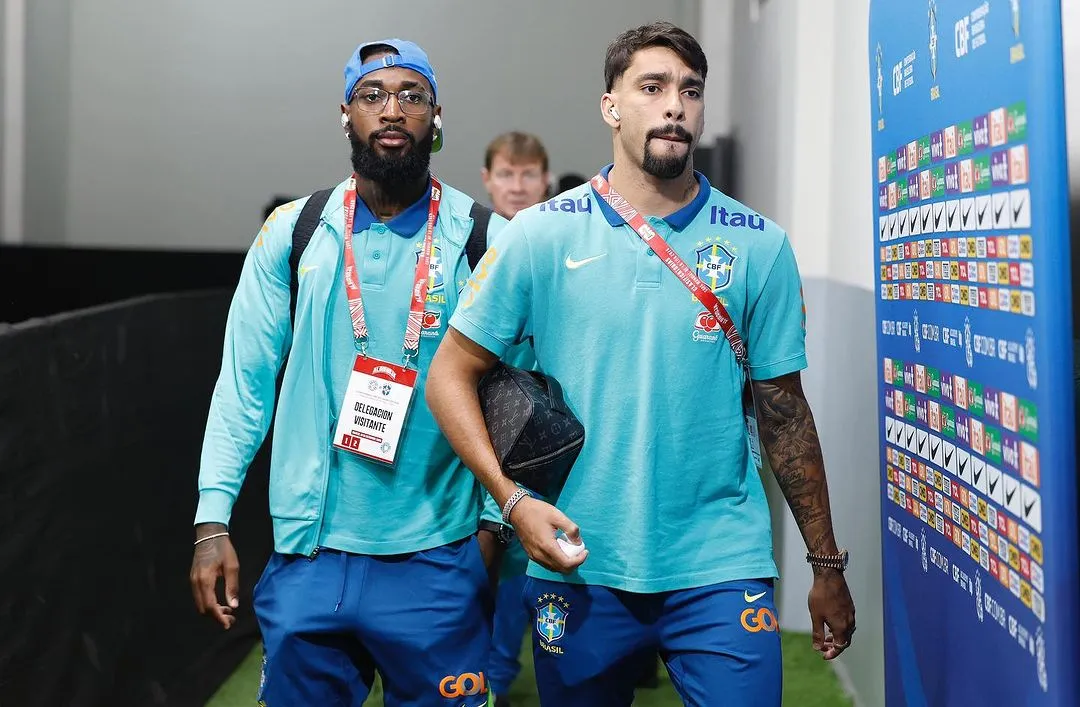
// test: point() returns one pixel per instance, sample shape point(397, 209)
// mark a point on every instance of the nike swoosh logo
point(572, 264)
point(993, 485)
point(305, 269)
point(1000, 210)
point(952, 215)
point(982, 214)
point(1009, 496)
point(933, 449)
point(751, 598)
point(977, 475)
point(948, 458)
point(909, 438)
point(1017, 210)
point(926, 220)
point(963, 465)
point(1028, 507)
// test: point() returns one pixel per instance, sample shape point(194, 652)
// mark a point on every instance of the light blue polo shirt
point(428, 498)
point(665, 491)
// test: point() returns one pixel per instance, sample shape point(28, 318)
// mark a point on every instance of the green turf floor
point(808, 682)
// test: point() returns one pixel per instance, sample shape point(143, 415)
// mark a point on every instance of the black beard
point(397, 174)
point(666, 167)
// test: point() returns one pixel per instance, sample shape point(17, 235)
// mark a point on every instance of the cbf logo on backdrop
point(714, 265)
point(878, 58)
point(935, 90)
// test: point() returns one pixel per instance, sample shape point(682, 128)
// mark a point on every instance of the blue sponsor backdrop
point(978, 460)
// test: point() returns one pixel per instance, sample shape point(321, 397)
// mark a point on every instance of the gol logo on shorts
point(463, 685)
point(755, 620)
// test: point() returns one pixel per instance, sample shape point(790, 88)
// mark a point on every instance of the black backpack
point(308, 221)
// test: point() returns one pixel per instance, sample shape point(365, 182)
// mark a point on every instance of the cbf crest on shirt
point(431, 325)
point(715, 262)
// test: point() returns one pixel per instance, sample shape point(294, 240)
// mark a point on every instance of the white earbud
point(344, 120)
point(438, 122)
point(614, 113)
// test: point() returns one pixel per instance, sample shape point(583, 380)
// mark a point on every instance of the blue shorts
point(720, 643)
point(421, 619)
point(512, 620)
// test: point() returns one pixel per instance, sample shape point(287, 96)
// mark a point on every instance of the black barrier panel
point(38, 281)
point(101, 421)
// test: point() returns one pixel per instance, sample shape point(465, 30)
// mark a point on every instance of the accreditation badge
point(376, 405)
point(750, 415)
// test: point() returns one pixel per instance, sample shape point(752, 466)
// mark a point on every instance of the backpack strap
point(308, 221)
point(476, 246)
point(305, 227)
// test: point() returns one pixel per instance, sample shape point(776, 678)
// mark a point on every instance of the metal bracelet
point(511, 502)
point(210, 537)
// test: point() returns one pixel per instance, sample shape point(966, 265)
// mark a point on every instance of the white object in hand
point(570, 548)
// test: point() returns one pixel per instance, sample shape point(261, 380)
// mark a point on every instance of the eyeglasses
point(373, 100)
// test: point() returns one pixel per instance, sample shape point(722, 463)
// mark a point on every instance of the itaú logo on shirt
point(706, 327)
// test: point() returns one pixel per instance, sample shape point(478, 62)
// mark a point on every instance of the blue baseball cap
point(408, 55)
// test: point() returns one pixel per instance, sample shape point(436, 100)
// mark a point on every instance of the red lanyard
point(671, 259)
point(420, 281)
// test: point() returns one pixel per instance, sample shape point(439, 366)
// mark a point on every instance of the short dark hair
point(655, 34)
point(518, 147)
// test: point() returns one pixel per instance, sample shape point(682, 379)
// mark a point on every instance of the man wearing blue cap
point(377, 562)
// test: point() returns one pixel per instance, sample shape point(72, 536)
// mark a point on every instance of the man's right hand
point(213, 559)
point(536, 524)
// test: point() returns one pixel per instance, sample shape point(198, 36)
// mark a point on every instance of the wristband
point(210, 537)
point(839, 561)
point(511, 502)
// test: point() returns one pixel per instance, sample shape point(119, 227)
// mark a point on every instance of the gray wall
point(841, 385)
point(170, 124)
point(761, 95)
point(761, 98)
point(801, 115)
point(49, 119)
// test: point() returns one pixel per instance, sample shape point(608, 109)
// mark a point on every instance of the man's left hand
point(831, 605)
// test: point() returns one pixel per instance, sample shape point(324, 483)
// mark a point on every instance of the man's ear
point(608, 111)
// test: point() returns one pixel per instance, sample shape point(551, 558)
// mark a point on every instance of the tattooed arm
point(790, 440)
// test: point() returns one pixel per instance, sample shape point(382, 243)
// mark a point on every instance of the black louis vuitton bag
point(535, 435)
